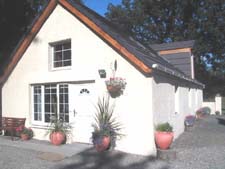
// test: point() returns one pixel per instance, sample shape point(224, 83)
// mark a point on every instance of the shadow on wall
point(90, 159)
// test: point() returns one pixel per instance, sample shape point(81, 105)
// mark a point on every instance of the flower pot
point(57, 138)
point(114, 91)
point(163, 139)
point(199, 116)
point(103, 144)
point(24, 137)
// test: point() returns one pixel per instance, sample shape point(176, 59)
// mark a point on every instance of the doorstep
point(67, 150)
point(168, 154)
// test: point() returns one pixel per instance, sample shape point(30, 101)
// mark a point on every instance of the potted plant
point(106, 128)
point(115, 86)
point(199, 114)
point(164, 135)
point(26, 133)
point(19, 130)
point(58, 131)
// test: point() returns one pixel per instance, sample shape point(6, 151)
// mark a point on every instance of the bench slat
point(11, 123)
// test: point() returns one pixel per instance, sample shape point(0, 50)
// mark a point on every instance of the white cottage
point(55, 69)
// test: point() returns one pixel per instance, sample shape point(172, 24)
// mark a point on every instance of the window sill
point(61, 68)
point(44, 126)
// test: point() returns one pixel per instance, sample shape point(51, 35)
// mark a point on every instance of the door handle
point(74, 112)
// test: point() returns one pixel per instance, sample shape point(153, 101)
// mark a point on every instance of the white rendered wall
point(89, 54)
point(172, 104)
point(192, 101)
point(199, 98)
point(182, 111)
point(218, 102)
point(163, 101)
point(215, 105)
point(210, 105)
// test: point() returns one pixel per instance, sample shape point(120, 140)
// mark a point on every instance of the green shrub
point(164, 127)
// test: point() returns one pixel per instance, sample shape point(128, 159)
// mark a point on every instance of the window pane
point(50, 102)
point(39, 108)
point(54, 108)
point(37, 104)
point(67, 63)
point(67, 45)
point(61, 108)
point(58, 47)
point(47, 108)
point(63, 100)
point(39, 117)
point(47, 118)
point(66, 108)
point(53, 98)
point(35, 108)
point(53, 89)
point(58, 64)
point(58, 56)
point(67, 118)
point(47, 98)
point(47, 89)
point(35, 116)
point(67, 55)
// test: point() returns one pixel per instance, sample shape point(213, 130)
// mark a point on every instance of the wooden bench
point(10, 124)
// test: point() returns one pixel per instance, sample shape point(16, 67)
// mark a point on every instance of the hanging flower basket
point(115, 86)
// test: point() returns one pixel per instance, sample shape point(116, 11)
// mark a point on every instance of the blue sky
point(100, 6)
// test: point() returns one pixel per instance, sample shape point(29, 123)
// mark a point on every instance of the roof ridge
point(147, 51)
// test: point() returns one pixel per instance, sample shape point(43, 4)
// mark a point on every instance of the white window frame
point(35, 122)
point(42, 122)
point(51, 60)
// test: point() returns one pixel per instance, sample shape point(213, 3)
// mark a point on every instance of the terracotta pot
point(57, 138)
point(199, 116)
point(103, 145)
point(163, 139)
point(24, 137)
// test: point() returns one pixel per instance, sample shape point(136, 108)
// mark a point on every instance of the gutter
point(178, 75)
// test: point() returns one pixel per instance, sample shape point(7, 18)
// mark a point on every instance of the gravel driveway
point(203, 147)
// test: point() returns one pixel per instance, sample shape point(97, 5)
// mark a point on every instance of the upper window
point(61, 54)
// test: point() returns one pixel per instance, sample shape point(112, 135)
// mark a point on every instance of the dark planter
point(163, 139)
point(102, 143)
point(57, 138)
point(114, 91)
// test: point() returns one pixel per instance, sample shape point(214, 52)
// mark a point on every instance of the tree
point(157, 21)
point(15, 16)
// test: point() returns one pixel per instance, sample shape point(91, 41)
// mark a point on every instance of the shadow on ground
point(90, 159)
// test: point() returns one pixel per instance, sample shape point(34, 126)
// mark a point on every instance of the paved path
point(67, 150)
point(203, 147)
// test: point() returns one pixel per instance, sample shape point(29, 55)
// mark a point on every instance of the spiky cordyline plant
point(105, 124)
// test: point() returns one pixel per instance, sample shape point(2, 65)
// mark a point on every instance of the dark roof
point(143, 57)
point(146, 54)
point(173, 45)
